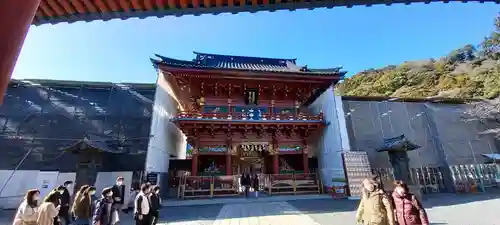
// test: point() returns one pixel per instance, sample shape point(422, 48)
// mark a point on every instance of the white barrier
point(45, 181)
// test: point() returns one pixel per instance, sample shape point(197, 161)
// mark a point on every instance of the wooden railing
point(292, 183)
point(217, 186)
point(247, 116)
point(208, 186)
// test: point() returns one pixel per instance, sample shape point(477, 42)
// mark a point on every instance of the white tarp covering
point(166, 139)
point(334, 138)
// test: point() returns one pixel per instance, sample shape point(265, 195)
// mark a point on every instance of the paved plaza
point(479, 209)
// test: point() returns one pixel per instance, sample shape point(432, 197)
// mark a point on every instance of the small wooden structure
point(92, 156)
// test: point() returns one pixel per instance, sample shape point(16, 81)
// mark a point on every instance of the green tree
point(491, 44)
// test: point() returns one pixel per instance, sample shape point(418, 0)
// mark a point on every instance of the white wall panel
point(166, 139)
point(333, 139)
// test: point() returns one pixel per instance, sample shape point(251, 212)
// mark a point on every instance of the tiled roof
point(215, 61)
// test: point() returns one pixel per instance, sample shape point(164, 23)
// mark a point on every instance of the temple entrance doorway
point(251, 165)
point(251, 157)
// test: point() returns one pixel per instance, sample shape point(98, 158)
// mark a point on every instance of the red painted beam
point(15, 20)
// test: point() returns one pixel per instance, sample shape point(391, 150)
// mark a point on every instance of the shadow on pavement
point(325, 206)
point(206, 214)
point(437, 200)
point(203, 214)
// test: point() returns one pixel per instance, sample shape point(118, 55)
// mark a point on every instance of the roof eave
point(339, 75)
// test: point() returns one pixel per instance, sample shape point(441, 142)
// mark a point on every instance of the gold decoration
point(252, 149)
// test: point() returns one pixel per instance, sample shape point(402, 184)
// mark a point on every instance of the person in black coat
point(246, 182)
point(102, 214)
point(119, 192)
point(57, 193)
point(255, 184)
point(154, 198)
point(64, 200)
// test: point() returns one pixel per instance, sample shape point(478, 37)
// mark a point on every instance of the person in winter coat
point(255, 185)
point(82, 207)
point(408, 209)
point(103, 208)
point(118, 196)
point(142, 206)
point(27, 213)
point(78, 195)
point(154, 198)
point(375, 207)
point(64, 215)
point(245, 182)
point(48, 209)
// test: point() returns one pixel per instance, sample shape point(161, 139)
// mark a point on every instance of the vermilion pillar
point(305, 158)
point(194, 164)
point(228, 164)
point(15, 20)
point(276, 164)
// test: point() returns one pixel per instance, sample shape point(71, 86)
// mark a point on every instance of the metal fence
point(466, 178)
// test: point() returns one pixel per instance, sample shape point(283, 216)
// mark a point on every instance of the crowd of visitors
point(59, 208)
point(377, 206)
point(249, 184)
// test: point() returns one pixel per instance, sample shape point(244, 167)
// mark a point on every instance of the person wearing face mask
point(27, 213)
point(142, 206)
point(375, 207)
point(49, 209)
point(118, 195)
point(154, 198)
point(103, 209)
point(57, 192)
point(64, 217)
point(408, 209)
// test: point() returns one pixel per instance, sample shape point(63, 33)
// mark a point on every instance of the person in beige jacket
point(48, 210)
point(27, 213)
point(375, 207)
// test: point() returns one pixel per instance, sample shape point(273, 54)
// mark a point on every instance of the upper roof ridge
point(236, 58)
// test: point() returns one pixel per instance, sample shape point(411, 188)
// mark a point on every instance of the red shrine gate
point(247, 114)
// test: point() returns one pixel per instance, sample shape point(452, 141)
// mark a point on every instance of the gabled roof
point(245, 63)
point(86, 143)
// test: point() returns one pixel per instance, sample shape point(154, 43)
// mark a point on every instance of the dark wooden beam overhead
point(58, 11)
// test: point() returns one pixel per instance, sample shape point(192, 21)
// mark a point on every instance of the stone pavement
point(449, 209)
point(443, 209)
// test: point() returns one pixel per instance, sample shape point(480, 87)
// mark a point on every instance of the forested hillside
point(472, 71)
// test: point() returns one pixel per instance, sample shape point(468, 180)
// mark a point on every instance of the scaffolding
point(452, 154)
point(47, 115)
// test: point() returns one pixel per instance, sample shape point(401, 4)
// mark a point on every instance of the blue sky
point(358, 38)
